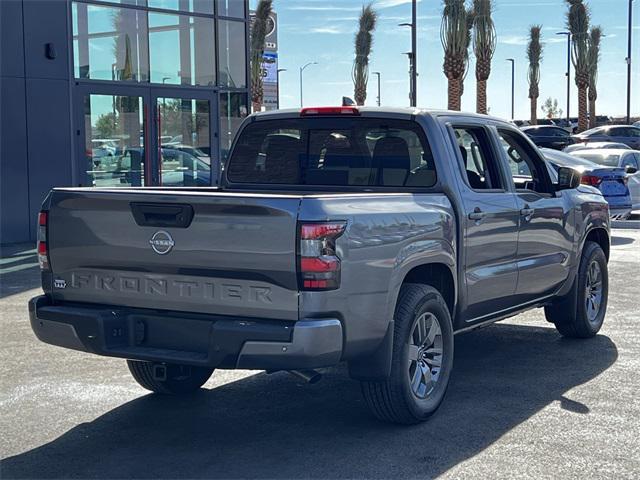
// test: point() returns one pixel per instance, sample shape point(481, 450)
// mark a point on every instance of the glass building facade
point(135, 92)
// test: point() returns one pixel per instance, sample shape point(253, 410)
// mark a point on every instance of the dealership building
point(115, 93)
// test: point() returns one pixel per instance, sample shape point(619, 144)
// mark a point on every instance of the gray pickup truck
point(360, 235)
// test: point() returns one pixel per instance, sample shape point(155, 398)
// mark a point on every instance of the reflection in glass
point(232, 54)
point(231, 8)
point(233, 109)
point(114, 140)
point(185, 143)
point(182, 49)
point(198, 6)
point(109, 43)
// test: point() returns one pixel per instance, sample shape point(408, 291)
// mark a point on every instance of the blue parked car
point(612, 182)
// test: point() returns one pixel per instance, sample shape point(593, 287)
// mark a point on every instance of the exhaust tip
point(309, 376)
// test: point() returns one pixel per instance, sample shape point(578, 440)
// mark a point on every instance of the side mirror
point(568, 178)
point(630, 170)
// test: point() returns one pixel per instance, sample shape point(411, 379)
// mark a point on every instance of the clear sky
point(323, 31)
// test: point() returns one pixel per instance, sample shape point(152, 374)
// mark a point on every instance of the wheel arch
point(601, 237)
point(439, 276)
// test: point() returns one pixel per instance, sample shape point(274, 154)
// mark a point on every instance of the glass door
point(113, 136)
point(185, 138)
point(130, 136)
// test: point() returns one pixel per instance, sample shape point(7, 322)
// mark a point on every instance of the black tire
point(394, 400)
point(570, 314)
point(177, 379)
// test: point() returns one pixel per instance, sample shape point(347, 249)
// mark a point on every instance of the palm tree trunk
point(592, 112)
point(454, 94)
point(534, 111)
point(583, 122)
point(481, 96)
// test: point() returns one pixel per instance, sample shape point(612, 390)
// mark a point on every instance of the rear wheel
point(581, 313)
point(421, 361)
point(167, 378)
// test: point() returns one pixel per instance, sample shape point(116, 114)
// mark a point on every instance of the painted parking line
point(14, 259)
point(16, 268)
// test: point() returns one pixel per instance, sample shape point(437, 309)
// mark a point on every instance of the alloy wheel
point(425, 355)
point(593, 291)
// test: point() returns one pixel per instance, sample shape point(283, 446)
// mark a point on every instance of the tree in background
point(551, 109)
point(578, 24)
point(594, 58)
point(363, 42)
point(258, 35)
point(534, 54)
point(105, 126)
point(484, 45)
point(455, 38)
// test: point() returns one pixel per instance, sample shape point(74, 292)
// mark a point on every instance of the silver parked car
point(627, 134)
point(595, 145)
point(616, 157)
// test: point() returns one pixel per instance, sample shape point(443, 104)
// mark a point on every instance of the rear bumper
point(189, 339)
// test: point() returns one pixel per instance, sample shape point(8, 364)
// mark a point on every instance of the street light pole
point(513, 86)
point(278, 86)
point(378, 75)
point(302, 70)
point(413, 56)
point(568, 34)
point(629, 31)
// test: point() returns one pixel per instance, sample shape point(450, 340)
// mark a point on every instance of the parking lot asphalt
point(523, 402)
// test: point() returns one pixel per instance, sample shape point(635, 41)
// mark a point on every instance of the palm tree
point(455, 38)
point(363, 42)
point(578, 24)
point(534, 54)
point(484, 44)
point(258, 34)
point(594, 58)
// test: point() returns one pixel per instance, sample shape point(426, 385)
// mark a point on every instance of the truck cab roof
point(391, 112)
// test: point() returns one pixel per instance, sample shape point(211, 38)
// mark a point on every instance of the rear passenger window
point(482, 173)
point(336, 151)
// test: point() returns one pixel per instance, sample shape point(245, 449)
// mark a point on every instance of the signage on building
point(270, 63)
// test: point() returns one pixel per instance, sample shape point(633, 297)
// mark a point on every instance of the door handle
point(527, 212)
point(477, 214)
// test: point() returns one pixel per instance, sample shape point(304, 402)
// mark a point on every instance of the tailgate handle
point(162, 214)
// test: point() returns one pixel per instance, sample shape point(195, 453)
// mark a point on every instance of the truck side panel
point(387, 235)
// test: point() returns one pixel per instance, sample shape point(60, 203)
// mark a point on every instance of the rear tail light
point(591, 180)
point(319, 265)
point(43, 249)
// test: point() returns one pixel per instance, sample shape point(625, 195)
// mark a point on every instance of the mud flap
point(377, 365)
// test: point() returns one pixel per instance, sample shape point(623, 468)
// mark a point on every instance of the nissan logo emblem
point(161, 242)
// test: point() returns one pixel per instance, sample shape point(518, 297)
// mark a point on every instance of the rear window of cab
point(333, 151)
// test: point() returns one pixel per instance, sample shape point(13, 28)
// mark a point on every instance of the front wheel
point(171, 379)
point(581, 313)
point(421, 362)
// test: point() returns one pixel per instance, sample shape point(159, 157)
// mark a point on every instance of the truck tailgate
point(136, 247)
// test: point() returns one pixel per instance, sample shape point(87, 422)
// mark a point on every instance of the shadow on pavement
point(19, 269)
point(272, 426)
point(617, 240)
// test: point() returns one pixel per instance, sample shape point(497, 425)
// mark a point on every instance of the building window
point(182, 49)
point(232, 54)
point(233, 109)
point(110, 43)
point(231, 8)
point(196, 6)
